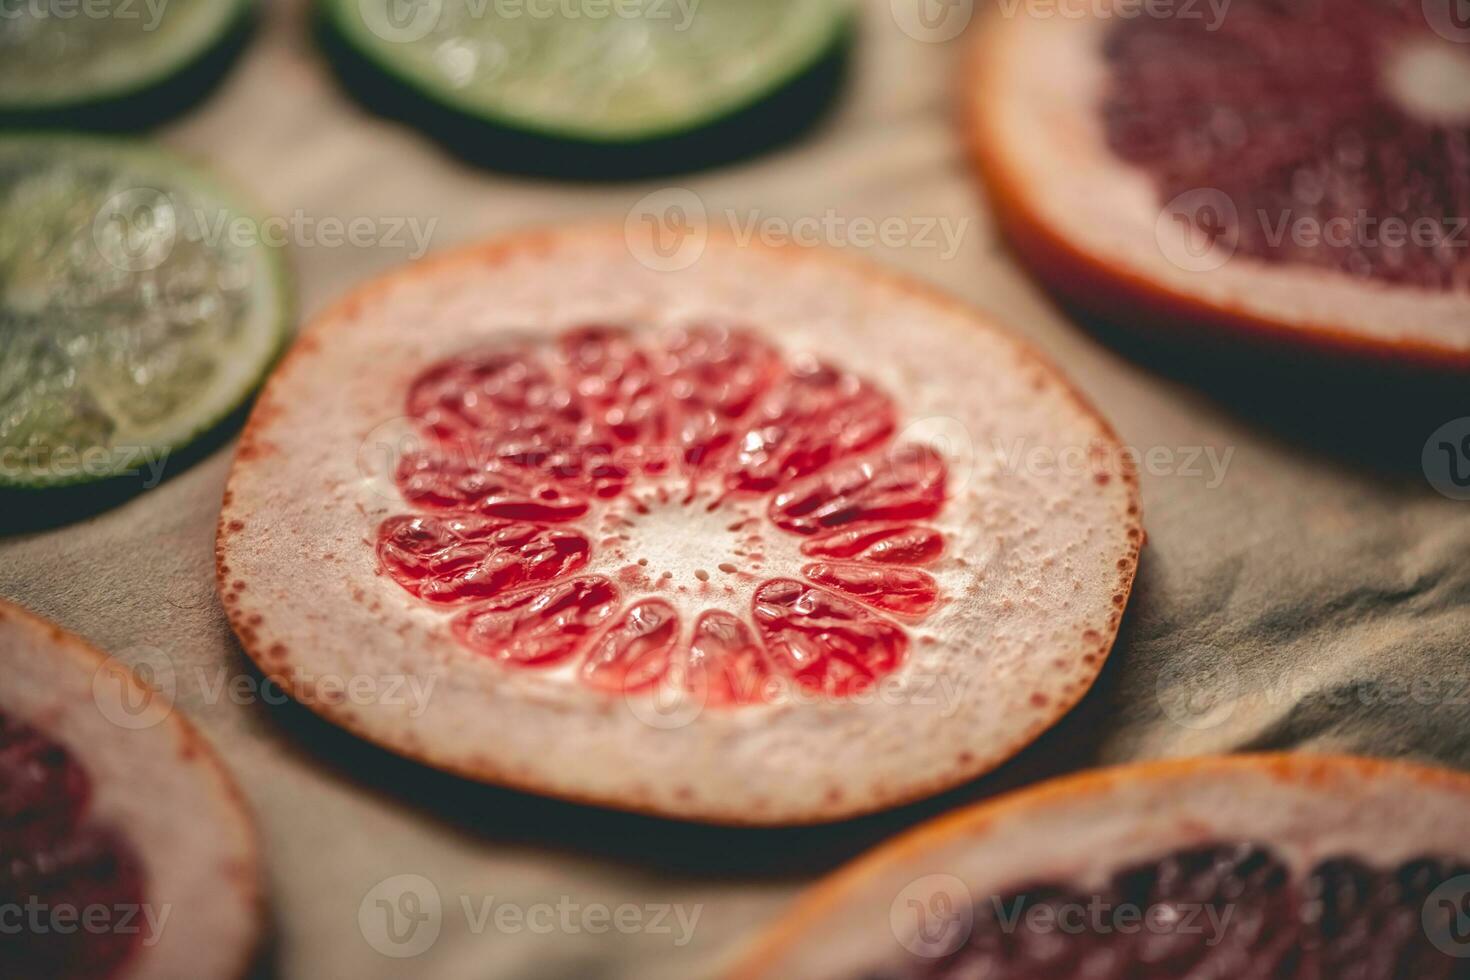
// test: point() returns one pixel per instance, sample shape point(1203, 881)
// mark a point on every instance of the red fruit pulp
point(1290, 109)
point(55, 866)
point(1223, 910)
point(539, 458)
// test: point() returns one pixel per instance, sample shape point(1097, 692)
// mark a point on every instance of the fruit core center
point(638, 507)
point(673, 541)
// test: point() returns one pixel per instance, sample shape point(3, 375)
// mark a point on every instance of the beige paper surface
point(1300, 588)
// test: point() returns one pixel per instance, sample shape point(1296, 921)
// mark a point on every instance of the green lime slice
point(139, 307)
point(58, 54)
point(594, 70)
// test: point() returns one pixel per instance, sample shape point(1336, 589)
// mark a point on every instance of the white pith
point(1078, 831)
point(1035, 105)
point(1029, 575)
point(160, 788)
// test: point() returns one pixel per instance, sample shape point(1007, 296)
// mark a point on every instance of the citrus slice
point(735, 544)
point(112, 63)
point(125, 850)
point(1286, 866)
point(1290, 173)
point(139, 307)
point(592, 88)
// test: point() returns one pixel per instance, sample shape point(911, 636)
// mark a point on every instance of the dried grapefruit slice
point(125, 850)
point(747, 543)
point(1297, 866)
point(1289, 172)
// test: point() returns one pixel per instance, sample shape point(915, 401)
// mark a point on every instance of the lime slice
point(138, 308)
point(595, 71)
point(58, 55)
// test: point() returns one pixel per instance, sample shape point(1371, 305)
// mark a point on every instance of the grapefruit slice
point(125, 849)
point(1286, 866)
point(1292, 173)
point(757, 542)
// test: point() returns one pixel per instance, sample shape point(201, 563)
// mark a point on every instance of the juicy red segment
point(895, 544)
point(486, 390)
point(1282, 108)
point(52, 856)
point(448, 560)
point(503, 414)
point(721, 370)
point(715, 378)
point(634, 653)
point(618, 384)
point(904, 591)
point(447, 479)
point(813, 417)
point(522, 439)
point(907, 484)
point(1224, 910)
point(726, 664)
point(539, 627)
point(827, 643)
point(673, 403)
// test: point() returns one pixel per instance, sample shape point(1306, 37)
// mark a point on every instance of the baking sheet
point(1303, 584)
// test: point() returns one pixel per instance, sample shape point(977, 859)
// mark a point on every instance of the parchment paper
point(1304, 586)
